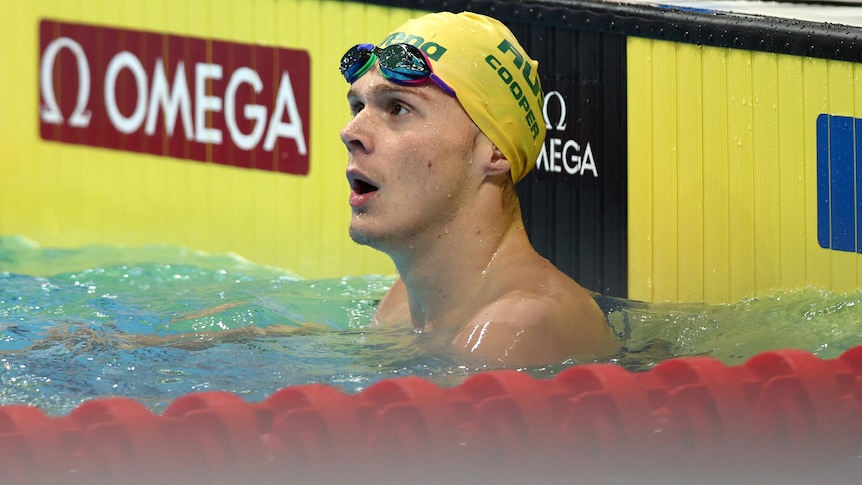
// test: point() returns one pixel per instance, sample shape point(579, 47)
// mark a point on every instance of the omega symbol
point(561, 124)
point(50, 110)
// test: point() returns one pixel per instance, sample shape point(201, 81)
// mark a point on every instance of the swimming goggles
point(402, 64)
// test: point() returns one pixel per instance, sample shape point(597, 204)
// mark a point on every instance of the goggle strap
point(445, 87)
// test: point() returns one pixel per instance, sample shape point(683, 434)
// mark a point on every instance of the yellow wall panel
point(744, 123)
point(716, 199)
point(640, 183)
point(815, 101)
point(690, 173)
point(665, 172)
point(790, 118)
point(766, 164)
point(740, 172)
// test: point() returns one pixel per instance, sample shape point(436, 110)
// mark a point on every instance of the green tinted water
point(157, 322)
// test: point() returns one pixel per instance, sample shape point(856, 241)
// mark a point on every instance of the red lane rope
point(782, 412)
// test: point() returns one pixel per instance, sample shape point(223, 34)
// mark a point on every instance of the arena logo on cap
point(199, 99)
point(433, 50)
point(514, 87)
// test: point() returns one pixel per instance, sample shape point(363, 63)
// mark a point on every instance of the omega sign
point(559, 155)
point(234, 104)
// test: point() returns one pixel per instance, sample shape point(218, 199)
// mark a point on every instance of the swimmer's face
point(410, 153)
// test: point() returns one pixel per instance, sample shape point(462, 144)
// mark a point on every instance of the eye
point(399, 109)
point(356, 107)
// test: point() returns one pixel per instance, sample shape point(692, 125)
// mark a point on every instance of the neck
point(447, 269)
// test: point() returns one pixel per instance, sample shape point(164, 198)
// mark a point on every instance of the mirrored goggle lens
point(404, 63)
point(401, 63)
point(357, 61)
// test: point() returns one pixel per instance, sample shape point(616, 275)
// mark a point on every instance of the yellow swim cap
point(493, 78)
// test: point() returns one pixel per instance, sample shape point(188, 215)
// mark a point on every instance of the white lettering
point(544, 161)
point(205, 103)
point(51, 111)
point(125, 60)
point(557, 156)
point(293, 128)
point(178, 101)
point(254, 112)
point(575, 159)
point(589, 163)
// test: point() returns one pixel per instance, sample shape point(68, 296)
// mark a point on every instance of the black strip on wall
point(688, 25)
point(574, 202)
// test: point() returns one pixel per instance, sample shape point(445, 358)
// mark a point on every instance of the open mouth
point(361, 190)
point(362, 187)
point(359, 185)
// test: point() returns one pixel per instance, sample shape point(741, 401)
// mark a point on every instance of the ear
point(493, 162)
point(498, 164)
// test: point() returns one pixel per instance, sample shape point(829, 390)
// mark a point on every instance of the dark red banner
point(199, 99)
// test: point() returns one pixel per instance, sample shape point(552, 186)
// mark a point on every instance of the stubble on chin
point(362, 237)
point(358, 237)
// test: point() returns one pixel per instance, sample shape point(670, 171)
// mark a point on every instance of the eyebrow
point(389, 88)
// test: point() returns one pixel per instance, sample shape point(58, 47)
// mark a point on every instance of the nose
point(353, 135)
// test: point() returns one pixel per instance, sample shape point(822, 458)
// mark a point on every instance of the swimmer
point(446, 119)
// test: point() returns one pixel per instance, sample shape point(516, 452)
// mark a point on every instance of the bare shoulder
point(550, 322)
point(393, 308)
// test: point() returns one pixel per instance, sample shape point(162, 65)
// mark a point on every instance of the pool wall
point(782, 417)
point(692, 155)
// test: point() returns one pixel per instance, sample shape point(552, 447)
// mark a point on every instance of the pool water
point(157, 322)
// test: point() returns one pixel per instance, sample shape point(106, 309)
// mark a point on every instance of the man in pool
point(447, 117)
